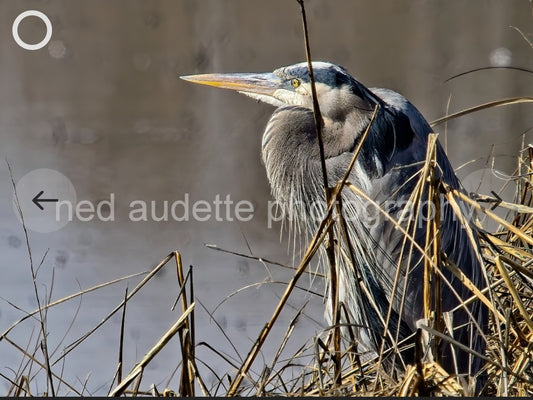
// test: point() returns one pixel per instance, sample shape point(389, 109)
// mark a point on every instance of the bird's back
point(403, 134)
point(388, 171)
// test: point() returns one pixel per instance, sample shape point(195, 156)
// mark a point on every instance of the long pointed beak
point(263, 84)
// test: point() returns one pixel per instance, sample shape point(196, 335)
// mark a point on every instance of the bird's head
point(338, 93)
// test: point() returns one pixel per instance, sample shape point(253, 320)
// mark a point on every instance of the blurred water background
point(103, 105)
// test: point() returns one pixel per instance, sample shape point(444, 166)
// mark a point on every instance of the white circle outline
point(42, 17)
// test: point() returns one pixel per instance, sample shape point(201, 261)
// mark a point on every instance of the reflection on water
point(102, 104)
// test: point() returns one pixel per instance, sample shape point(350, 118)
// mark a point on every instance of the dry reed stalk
point(138, 369)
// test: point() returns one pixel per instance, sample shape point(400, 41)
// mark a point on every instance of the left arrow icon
point(37, 200)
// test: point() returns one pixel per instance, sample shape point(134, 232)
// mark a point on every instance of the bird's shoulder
point(403, 106)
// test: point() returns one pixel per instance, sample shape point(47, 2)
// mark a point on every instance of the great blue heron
point(387, 170)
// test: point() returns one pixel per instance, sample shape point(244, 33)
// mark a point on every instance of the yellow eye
point(295, 82)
